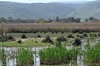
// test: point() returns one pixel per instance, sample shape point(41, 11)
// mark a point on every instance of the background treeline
point(42, 20)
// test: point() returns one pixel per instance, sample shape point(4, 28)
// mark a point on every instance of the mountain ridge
point(49, 10)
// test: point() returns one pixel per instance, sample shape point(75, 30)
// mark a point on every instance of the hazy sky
point(43, 1)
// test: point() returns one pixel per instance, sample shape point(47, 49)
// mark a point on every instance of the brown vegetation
point(50, 27)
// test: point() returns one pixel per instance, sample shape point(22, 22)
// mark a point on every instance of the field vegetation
point(52, 27)
point(57, 55)
point(55, 36)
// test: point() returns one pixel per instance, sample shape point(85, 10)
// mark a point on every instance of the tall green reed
point(57, 55)
point(24, 57)
point(92, 55)
point(2, 54)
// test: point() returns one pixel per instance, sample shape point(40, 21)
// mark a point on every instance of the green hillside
point(49, 10)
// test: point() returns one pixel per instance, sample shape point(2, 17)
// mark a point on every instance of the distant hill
point(90, 9)
point(49, 10)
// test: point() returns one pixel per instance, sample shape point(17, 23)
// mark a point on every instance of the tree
point(3, 33)
point(86, 20)
point(71, 19)
point(78, 20)
point(2, 19)
point(18, 20)
point(10, 19)
point(57, 19)
point(42, 20)
point(50, 20)
point(91, 18)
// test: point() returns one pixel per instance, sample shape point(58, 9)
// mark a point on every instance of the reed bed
point(29, 27)
point(92, 55)
point(2, 57)
point(57, 55)
point(24, 57)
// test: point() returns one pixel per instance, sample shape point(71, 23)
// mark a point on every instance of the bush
point(23, 36)
point(36, 42)
point(3, 38)
point(61, 39)
point(19, 41)
point(47, 40)
point(78, 35)
point(77, 42)
point(85, 35)
point(62, 32)
point(80, 31)
point(95, 35)
point(81, 37)
point(58, 44)
point(74, 31)
point(99, 34)
point(70, 36)
point(11, 38)
point(38, 36)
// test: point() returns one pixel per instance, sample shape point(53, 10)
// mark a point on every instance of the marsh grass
point(92, 55)
point(57, 55)
point(26, 43)
point(2, 57)
point(24, 56)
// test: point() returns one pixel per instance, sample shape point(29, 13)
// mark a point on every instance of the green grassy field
point(32, 41)
point(26, 43)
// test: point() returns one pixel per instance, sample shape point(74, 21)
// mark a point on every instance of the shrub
point(11, 38)
point(45, 32)
point(19, 41)
point(78, 35)
point(62, 32)
point(70, 36)
point(99, 34)
point(80, 31)
point(61, 39)
point(95, 35)
point(58, 44)
point(74, 31)
point(81, 37)
point(3, 38)
point(85, 35)
point(23, 36)
point(38, 36)
point(56, 32)
point(47, 40)
point(36, 42)
point(77, 42)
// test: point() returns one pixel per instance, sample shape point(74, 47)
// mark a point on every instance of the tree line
point(42, 20)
